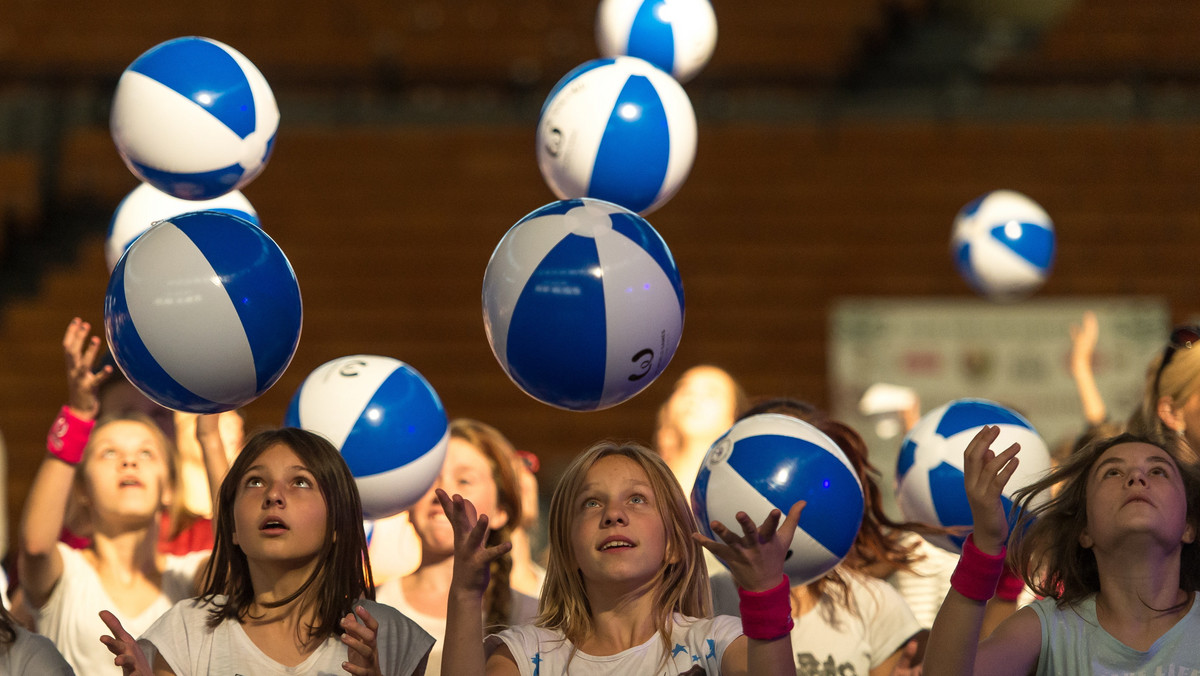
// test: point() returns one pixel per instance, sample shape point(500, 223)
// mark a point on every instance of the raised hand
point(80, 352)
point(359, 637)
point(755, 558)
point(985, 474)
point(129, 655)
point(472, 560)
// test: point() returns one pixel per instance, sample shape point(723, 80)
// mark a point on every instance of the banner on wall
point(1017, 355)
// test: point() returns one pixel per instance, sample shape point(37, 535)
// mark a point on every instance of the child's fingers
point(793, 519)
point(769, 525)
point(369, 622)
point(724, 533)
point(493, 553)
point(749, 528)
point(980, 444)
point(114, 625)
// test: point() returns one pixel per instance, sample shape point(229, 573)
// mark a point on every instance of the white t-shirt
point(828, 638)
point(524, 610)
point(71, 616)
point(925, 587)
point(33, 655)
point(184, 640)
point(698, 646)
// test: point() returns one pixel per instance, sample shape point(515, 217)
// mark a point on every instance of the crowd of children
point(260, 564)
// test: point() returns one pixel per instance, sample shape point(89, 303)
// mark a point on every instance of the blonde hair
point(681, 587)
point(1178, 381)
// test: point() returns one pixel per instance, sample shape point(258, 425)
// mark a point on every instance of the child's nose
point(273, 496)
point(614, 516)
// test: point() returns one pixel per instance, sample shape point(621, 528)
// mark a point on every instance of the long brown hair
point(343, 573)
point(497, 600)
point(682, 586)
point(1044, 544)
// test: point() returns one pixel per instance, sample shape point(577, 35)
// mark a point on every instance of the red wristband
point(1010, 587)
point(68, 436)
point(766, 615)
point(976, 574)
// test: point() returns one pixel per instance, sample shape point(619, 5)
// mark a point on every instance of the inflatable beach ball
point(582, 304)
point(203, 312)
point(772, 461)
point(147, 205)
point(387, 421)
point(678, 36)
point(194, 118)
point(1003, 245)
point(929, 469)
point(619, 130)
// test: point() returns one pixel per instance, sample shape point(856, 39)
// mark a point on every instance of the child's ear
point(1169, 416)
point(1085, 540)
point(1189, 534)
point(498, 519)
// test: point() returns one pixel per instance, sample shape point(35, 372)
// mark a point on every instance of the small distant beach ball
point(147, 205)
point(929, 469)
point(582, 304)
point(772, 461)
point(387, 421)
point(678, 36)
point(203, 312)
point(194, 118)
point(619, 130)
point(1003, 245)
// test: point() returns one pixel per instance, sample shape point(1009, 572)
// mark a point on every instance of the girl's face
point(279, 512)
point(617, 533)
point(1132, 489)
point(126, 475)
point(467, 472)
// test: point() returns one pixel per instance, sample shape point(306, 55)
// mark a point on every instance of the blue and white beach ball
point(1003, 245)
point(203, 312)
point(676, 35)
point(147, 205)
point(387, 421)
point(772, 461)
point(582, 304)
point(929, 469)
point(194, 118)
point(619, 130)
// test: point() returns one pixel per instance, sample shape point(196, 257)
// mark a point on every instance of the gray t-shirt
point(191, 648)
point(1073, 642)
point(32, 655)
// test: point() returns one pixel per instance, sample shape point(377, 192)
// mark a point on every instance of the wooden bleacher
point(524, 43)
point(1101, 41)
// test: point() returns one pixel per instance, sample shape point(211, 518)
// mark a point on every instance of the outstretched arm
point(464, 608)
point(46, 505)
point(954, 648)
point(1083, 348)
point(755, 558)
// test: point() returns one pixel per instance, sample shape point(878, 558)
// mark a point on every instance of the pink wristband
point(68, 436)
point(1010, 587)
point(976, 574)
point(766, 615)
